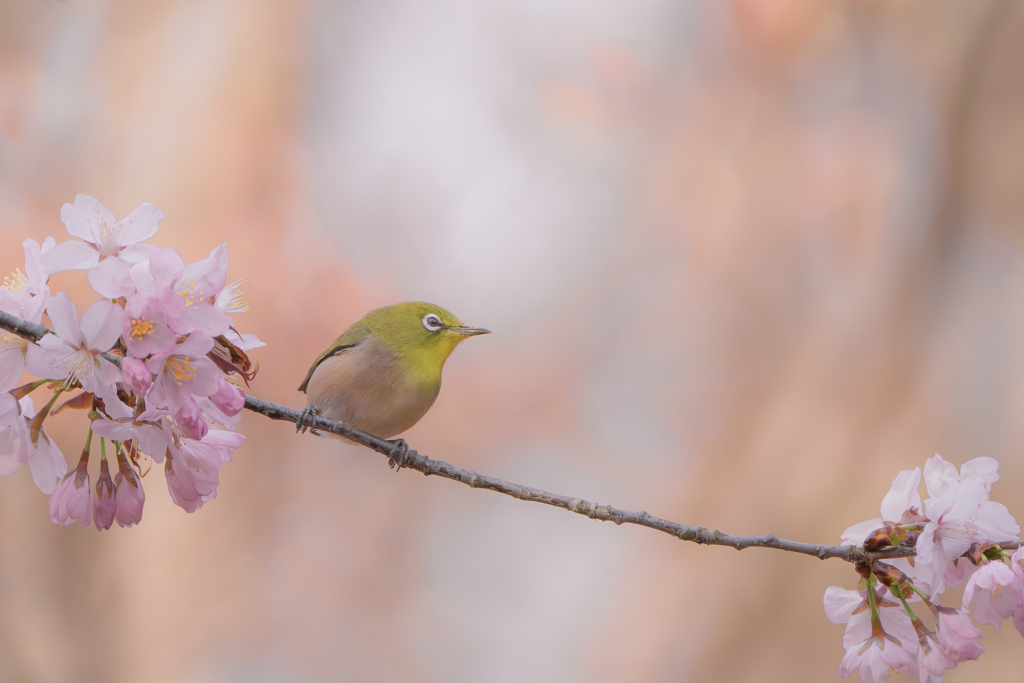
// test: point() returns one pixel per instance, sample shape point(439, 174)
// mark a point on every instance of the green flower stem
point(871, 601)
point(36, 423)
point(88, 446)
point(24, 390)
point(918, 624)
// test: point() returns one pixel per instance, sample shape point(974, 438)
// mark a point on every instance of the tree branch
point(605, 513)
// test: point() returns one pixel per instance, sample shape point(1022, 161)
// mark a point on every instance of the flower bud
point(136, 377)
point(882, 538)
point(71, 501)
point(887, 574)
point(129, 494)
point(191, 420)
point(103, 506)
point(228, 398)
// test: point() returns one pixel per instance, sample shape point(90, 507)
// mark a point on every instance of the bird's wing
point(352, 337)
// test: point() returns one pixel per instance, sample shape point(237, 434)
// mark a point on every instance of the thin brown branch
point(605, 513)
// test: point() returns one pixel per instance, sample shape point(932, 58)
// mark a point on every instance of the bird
point(384, 372)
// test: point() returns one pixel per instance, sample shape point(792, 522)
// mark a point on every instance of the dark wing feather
point(353, 336)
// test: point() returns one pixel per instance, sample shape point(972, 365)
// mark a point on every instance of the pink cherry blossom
point(193, 287)
point(933, 659)
point(991, 594)
point(46, 463)
point(129, 494)
point(24, 287)
point(957, 633)
point(875, 658)
point(109, 246)
point(182, 372)
point(193, 474)
point(850, 608)
point(24, 295)
point(103, 506)
point(74, 354)
point(231, 298)
point(960, 514)
point(44, 460)
point(182, 485)
point(144, 326)
point(71, 500)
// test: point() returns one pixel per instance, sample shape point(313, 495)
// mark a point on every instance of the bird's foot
point(309, 414)
point(399, 450)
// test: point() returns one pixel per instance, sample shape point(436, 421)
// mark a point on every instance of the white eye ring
point(432, 322)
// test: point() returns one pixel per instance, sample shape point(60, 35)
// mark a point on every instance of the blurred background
point(744, 261)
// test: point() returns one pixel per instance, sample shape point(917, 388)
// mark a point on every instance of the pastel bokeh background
point(744, 262)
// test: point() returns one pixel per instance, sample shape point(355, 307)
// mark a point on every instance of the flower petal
point(70, 255)
point(986, 469)
point(64, 316)
point(166, 265)
point(115, 431)
point(140, 224)
point(47, 465)
point(112, 278)
point(137, 253)
point(903, 495)
point(101, 325)
point(856, 534)
point(82, 219)
point(939, 476)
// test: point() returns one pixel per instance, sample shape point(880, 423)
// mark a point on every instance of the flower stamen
point(181, 368)
point(141, 328)
point(15, 281)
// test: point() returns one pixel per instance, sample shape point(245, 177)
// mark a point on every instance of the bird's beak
point(467, 331)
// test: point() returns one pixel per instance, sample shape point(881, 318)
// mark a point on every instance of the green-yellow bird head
point(423, 333)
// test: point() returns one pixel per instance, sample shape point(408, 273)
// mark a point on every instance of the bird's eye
point(432, 322)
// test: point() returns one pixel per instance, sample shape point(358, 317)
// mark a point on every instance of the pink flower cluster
point(955, 534)
point(170, 397)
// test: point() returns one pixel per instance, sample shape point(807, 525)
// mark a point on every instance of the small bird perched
point(383, 374)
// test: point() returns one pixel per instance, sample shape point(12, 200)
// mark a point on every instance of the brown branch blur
point(605, 513)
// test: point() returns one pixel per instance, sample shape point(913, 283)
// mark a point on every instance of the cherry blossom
point(193, 474)
point(144, 326)
point(957, 633)
point(168, 396)
point(44, 459)
point(108, 247)
point(991, 594)
point(959, 514)
point(182, 372)
point(230, 299)
point(24, 295)
point(877, 657)
point(71, 500)
point(74, 354)
point(193, 287)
